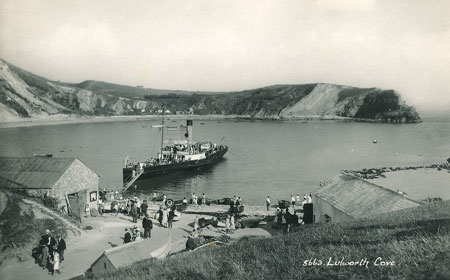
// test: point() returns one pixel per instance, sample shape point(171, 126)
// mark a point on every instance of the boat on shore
point(175, 156)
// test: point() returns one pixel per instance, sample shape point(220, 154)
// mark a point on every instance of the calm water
point(264, 158)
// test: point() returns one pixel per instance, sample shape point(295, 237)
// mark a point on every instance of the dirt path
point(82, 249)
point(85, 246)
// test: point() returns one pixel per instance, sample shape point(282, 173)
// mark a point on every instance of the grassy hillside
point(25, 94)
point(21, 229)
point(417, 240)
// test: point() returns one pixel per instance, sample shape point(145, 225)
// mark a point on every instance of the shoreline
point(73, 119)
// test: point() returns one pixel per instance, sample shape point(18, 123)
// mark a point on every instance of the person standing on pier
point(204, 199)
point(268, 203)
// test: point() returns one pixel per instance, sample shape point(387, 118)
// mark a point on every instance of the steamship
point(172, 157)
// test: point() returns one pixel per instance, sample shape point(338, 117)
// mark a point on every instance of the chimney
point(188, 134)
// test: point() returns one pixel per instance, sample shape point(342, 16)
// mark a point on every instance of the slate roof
point(32, 172)
point(359, 198)
point(136, 251)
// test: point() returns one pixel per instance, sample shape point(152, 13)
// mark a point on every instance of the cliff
point(26, 95)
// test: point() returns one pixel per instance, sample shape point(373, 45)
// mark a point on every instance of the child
point(55, 261)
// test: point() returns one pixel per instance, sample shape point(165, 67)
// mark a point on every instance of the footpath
point(84, 246)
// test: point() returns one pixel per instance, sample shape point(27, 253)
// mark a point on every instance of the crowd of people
point(295, 200)
point(285, 216)
point(50, 252)
point(136, 209)
point(173, 156)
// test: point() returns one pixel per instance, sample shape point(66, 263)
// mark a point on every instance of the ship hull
point(161, 170)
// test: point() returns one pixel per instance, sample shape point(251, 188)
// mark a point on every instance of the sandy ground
point(85, 246)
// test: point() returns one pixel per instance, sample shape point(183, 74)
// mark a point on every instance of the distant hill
point(26, 95)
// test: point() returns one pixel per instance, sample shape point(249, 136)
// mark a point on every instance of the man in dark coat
point(48, 241)
point(127, 237)
point(170, 217)
point(147, 224)
point(61, 247)
point(160, 216)
point(144, 207)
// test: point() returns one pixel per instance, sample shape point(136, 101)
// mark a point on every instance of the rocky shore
point(373, 173)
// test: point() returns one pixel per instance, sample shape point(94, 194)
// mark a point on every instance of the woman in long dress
point(232, 226)
point(228, 224)
point(165, 217)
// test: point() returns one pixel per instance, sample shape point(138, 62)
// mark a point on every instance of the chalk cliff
point(26, 95)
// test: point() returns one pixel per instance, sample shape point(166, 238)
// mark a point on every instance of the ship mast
point(162, 132)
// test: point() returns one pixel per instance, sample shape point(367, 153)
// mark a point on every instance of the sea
point(265, 158)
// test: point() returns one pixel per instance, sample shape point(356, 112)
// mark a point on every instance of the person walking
point(147, 224)
point(100, 208)
point(268, 203)
point(228, 224)
point(56, 261)
point(170, 218)
point(144, 207)
point(44, 256)
point(61, 247)
point(194, 199)
point(165, 217)
point(160, 215)
point(134, 211)
point(232, 225)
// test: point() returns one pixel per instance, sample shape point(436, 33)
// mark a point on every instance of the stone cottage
point(69, 181)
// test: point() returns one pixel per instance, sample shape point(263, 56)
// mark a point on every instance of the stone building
point(349, 197)
point(69, 181)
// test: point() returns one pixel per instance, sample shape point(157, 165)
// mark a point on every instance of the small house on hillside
point(349, 197)
point(131, 253)
point(73, 185)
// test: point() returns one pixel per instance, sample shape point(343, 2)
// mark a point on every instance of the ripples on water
point(264, 158)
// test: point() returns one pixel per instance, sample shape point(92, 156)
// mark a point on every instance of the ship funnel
point(188, 134)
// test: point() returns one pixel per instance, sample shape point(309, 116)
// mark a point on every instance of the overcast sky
point(235, 45)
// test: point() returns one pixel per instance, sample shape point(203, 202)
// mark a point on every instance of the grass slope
point(417, 239)
point(20, 229)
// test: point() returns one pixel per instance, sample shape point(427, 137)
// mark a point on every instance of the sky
point(228, 45)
